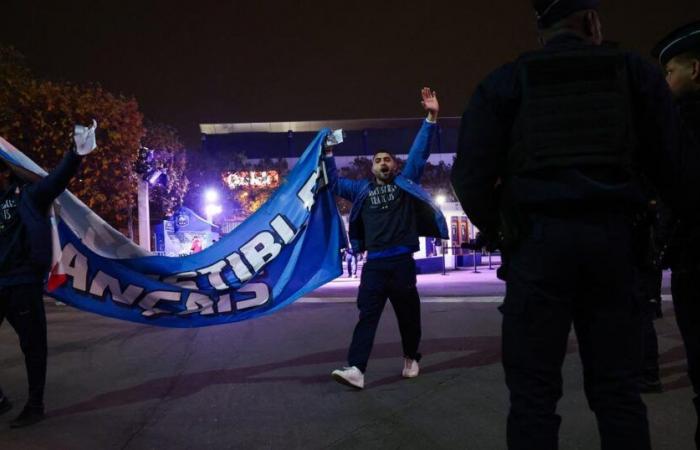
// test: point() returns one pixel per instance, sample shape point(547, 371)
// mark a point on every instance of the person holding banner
point(25, 258)
point(387, 216)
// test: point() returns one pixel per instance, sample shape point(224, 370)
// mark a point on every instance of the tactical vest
point(575, 112)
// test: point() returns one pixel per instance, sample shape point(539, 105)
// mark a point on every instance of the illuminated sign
point(252, 179)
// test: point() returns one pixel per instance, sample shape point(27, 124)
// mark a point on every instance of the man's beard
point(385, 176)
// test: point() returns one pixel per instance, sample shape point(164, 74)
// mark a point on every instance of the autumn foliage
point(207, 174)
point(38, 116)
point(170, 158)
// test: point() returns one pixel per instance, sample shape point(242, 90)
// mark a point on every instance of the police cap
point(679, 41)
point(550, 12)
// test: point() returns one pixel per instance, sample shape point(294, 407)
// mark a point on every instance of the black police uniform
point(684, 246)
point(548, 154)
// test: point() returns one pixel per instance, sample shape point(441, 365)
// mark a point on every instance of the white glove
point(84, 138)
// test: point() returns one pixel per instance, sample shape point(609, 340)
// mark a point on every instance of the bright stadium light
point(211, 196)
point(211, 210)
point(440, 200)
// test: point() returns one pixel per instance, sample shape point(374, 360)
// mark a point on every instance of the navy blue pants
point(394, 279)
point(23, 307)
point(573, 271)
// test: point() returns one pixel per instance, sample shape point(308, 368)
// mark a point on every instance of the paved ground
point(265, 383)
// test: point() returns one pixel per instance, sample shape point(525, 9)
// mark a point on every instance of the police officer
point(547, 164)
point(679, 55)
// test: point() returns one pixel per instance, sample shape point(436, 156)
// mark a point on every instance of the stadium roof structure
point(288, 139)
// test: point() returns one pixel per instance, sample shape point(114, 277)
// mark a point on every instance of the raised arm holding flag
point(25, 259)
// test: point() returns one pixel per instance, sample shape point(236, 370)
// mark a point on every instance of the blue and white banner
point(287, 248)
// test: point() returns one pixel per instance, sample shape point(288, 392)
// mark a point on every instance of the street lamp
point(211, 196)
point(211, 210)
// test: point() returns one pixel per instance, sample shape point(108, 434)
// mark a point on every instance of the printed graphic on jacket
point(8, 213)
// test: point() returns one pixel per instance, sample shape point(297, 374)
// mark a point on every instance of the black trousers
point(651, 344)
point(649, 281)
point(394, 279)
point(573, 271)
point(686, 304)
point(23, 307)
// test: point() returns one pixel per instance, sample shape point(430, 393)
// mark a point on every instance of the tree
point(14, 77)
point(38, 117)
point(206, 174)
point(252, 199)
point(41, 119)
point(436, 180)
point(209, 174)
point(169, 156)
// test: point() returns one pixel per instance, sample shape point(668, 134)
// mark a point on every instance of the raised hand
point(430, 103)
point(84, 138)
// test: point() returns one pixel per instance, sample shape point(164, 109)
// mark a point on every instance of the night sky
point(250, 61)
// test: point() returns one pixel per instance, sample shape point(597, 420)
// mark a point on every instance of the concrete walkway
point(265, 383)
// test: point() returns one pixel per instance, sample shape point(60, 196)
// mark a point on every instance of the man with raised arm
point(25, 257)
point(388, 214)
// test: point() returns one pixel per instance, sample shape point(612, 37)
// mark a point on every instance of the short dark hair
point(383, 151)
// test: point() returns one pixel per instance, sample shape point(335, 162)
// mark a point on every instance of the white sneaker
point(410, 368)
point(350, 376)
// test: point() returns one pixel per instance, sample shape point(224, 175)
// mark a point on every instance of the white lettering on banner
point(75, 265)
point(103, 282)
point(306, 194)
point(200, 302)
point(262, 295)
point(239, 268)
point(185, 280)
point(283, 229)
point(261, 249)
point(254, 254)
point(214, 277)
point(245, 262)
point(150, 300)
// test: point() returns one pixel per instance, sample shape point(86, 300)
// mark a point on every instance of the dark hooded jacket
point(25, 233)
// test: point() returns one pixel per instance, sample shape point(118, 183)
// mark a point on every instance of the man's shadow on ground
point(477, 351)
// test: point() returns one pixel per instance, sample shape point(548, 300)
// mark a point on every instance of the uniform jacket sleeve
point(482, 148)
